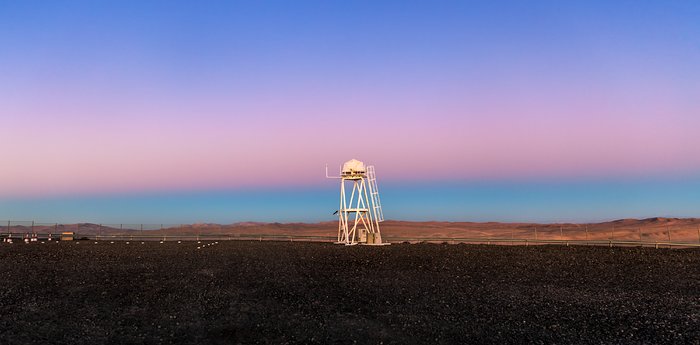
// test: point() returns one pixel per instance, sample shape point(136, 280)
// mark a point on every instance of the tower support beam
point(359, 212)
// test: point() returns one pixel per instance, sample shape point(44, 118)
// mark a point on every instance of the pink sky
point(267, 99)
point(78, 149)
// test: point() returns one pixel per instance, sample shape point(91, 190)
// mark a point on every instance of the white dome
point(353, 166)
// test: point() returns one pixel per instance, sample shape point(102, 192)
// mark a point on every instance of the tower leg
point(365, 225)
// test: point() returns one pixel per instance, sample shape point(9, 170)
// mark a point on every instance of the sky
point(225, 111)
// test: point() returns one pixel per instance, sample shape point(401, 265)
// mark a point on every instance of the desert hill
point(658, 228)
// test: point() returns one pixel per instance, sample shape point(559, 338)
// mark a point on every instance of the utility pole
point(561, 232)
point(640, 234)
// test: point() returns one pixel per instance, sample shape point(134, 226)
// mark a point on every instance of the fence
point(655, 235)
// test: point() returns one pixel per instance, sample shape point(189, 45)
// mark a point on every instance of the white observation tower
point(360, 212)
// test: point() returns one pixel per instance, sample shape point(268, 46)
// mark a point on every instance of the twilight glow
point(148, 97)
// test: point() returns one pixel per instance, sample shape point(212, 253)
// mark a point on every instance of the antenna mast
point(360, 211)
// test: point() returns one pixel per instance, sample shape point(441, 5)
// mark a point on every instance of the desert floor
point(651, 230)
point(282, 292)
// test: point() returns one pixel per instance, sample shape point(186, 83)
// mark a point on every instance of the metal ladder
point(374, 194)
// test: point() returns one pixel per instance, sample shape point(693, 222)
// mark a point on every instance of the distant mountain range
point(658, 228)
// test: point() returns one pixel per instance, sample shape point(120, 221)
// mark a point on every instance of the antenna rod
point(327, 173)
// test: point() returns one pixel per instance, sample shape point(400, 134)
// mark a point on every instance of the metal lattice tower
point(360, 211)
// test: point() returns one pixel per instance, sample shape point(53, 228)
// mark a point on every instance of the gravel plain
point(281, 292)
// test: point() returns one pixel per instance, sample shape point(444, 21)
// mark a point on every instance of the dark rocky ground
point(281, 292)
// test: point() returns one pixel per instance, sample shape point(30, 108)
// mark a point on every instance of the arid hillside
point(651, 229)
